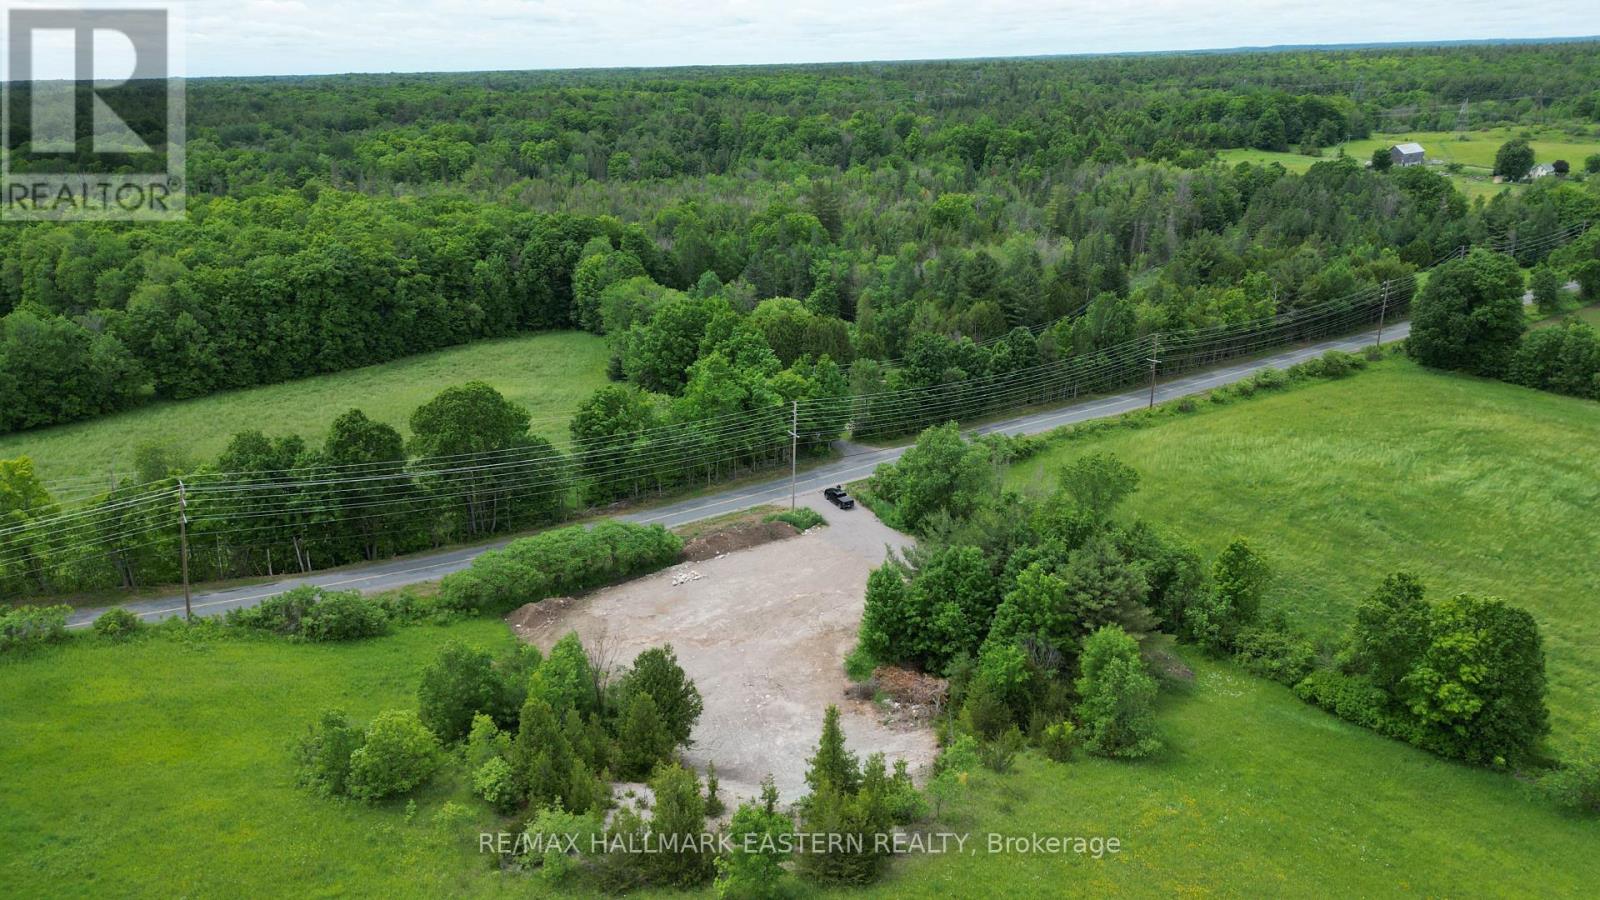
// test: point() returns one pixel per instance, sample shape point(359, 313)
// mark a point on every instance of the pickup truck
point(839, 498)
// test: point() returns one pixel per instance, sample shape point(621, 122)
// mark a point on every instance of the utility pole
point(1156, 353)
point(1383, 312)
point(183, 541)
point(794, 451)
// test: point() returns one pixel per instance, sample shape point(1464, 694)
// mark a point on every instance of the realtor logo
point(93, 113)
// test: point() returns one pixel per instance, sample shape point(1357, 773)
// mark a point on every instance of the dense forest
point(883, 247)
point(341, 221)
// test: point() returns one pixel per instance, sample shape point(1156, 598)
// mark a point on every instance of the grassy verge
point(1258, 794)
point(1474, 485)
point(548, 373)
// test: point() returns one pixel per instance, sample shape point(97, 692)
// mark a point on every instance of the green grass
point(1475, 154)
point(549, 373)
point(162, 769)
point(1475, 485)
point(1260, 795)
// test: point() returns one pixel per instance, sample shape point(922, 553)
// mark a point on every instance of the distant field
point(1475, 485)
point(1260, 795)
point(1476, 153)
point(549, 373)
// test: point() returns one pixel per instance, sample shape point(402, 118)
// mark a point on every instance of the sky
point(293, 37)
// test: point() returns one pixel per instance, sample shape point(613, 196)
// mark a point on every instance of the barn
point(1406, 154)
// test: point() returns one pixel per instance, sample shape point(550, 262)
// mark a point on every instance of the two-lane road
point(854, 463)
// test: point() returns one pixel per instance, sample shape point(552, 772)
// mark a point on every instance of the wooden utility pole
point(1383, 312)
point(183, 543)
point(794, 451)
point(1154, 358)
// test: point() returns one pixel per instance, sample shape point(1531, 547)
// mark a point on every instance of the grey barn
point(1406, 154)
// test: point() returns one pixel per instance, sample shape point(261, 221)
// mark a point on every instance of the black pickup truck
point(839, 498)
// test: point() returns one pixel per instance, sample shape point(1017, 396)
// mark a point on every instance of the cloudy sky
point(284, 37)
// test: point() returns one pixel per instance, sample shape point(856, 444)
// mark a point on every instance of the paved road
point(855, 462)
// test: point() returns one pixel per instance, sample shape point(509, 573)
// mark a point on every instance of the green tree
point(759, 835)
point(940, 473)
point(1098, 482)
point(1546, 283)
point(833, 766)
point(399, 754)
point(1390, 632)
point(1469, 316)
point(459, 683)
point(1116, 697)
point(1513, 159)
point(1478, 690)
point(378, 505)
point(1381, 160)
point(678, 820)
point(656, 674)
point(643, 739)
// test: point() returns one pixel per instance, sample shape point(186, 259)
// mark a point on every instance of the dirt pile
point(530, 617)
point(911, 697)
point(742, 536)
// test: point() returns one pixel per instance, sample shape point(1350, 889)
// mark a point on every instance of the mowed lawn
point(1260, 795)
point(550, 373)
point(1474, 485)
point(163, 769)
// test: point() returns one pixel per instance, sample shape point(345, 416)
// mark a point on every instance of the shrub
point(562, 839)
point(859, 819)
point(803, 518)
point(1117, 696)
point(32, 626)
point(458, 684)
point(1000, 754)
point(312, 614)
point(904, 803)
point(322, 755)
point(399, 754)
point(1275, 652)
point(1353, 698)
point(117, 623)
point(497, 782)
point(759, 834)
point(1576, 784)
point(561, 561)
point(1059, 741)
point(485, 742)
point(343, 616)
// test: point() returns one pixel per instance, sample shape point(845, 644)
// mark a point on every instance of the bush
point(343, 616)
point(32, 626)
point(759, 835)
point(322, 755)
point(1117, 697)
point(497, 782)
point(312, 614)
point(562, 561)
point(1275, 652)
point(678, 819)
point(399, 754)
point(553, 831)
point(1576, 784)
point(1059, 741)
point(1353, 698)
point(458, 684)
point(802, 518)
point(117, 623)
point(1000, 754)
point(643, 739)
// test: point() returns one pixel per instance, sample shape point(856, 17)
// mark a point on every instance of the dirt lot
point(763, 632)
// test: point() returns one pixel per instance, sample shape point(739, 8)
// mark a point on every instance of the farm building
point(1541, 170)
point(1406, 154)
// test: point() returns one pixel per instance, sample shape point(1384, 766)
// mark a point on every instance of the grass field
point(1260, 795)
point(549, 373)
point(1476, 153)
point(162, 769)
point(1475, 485)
